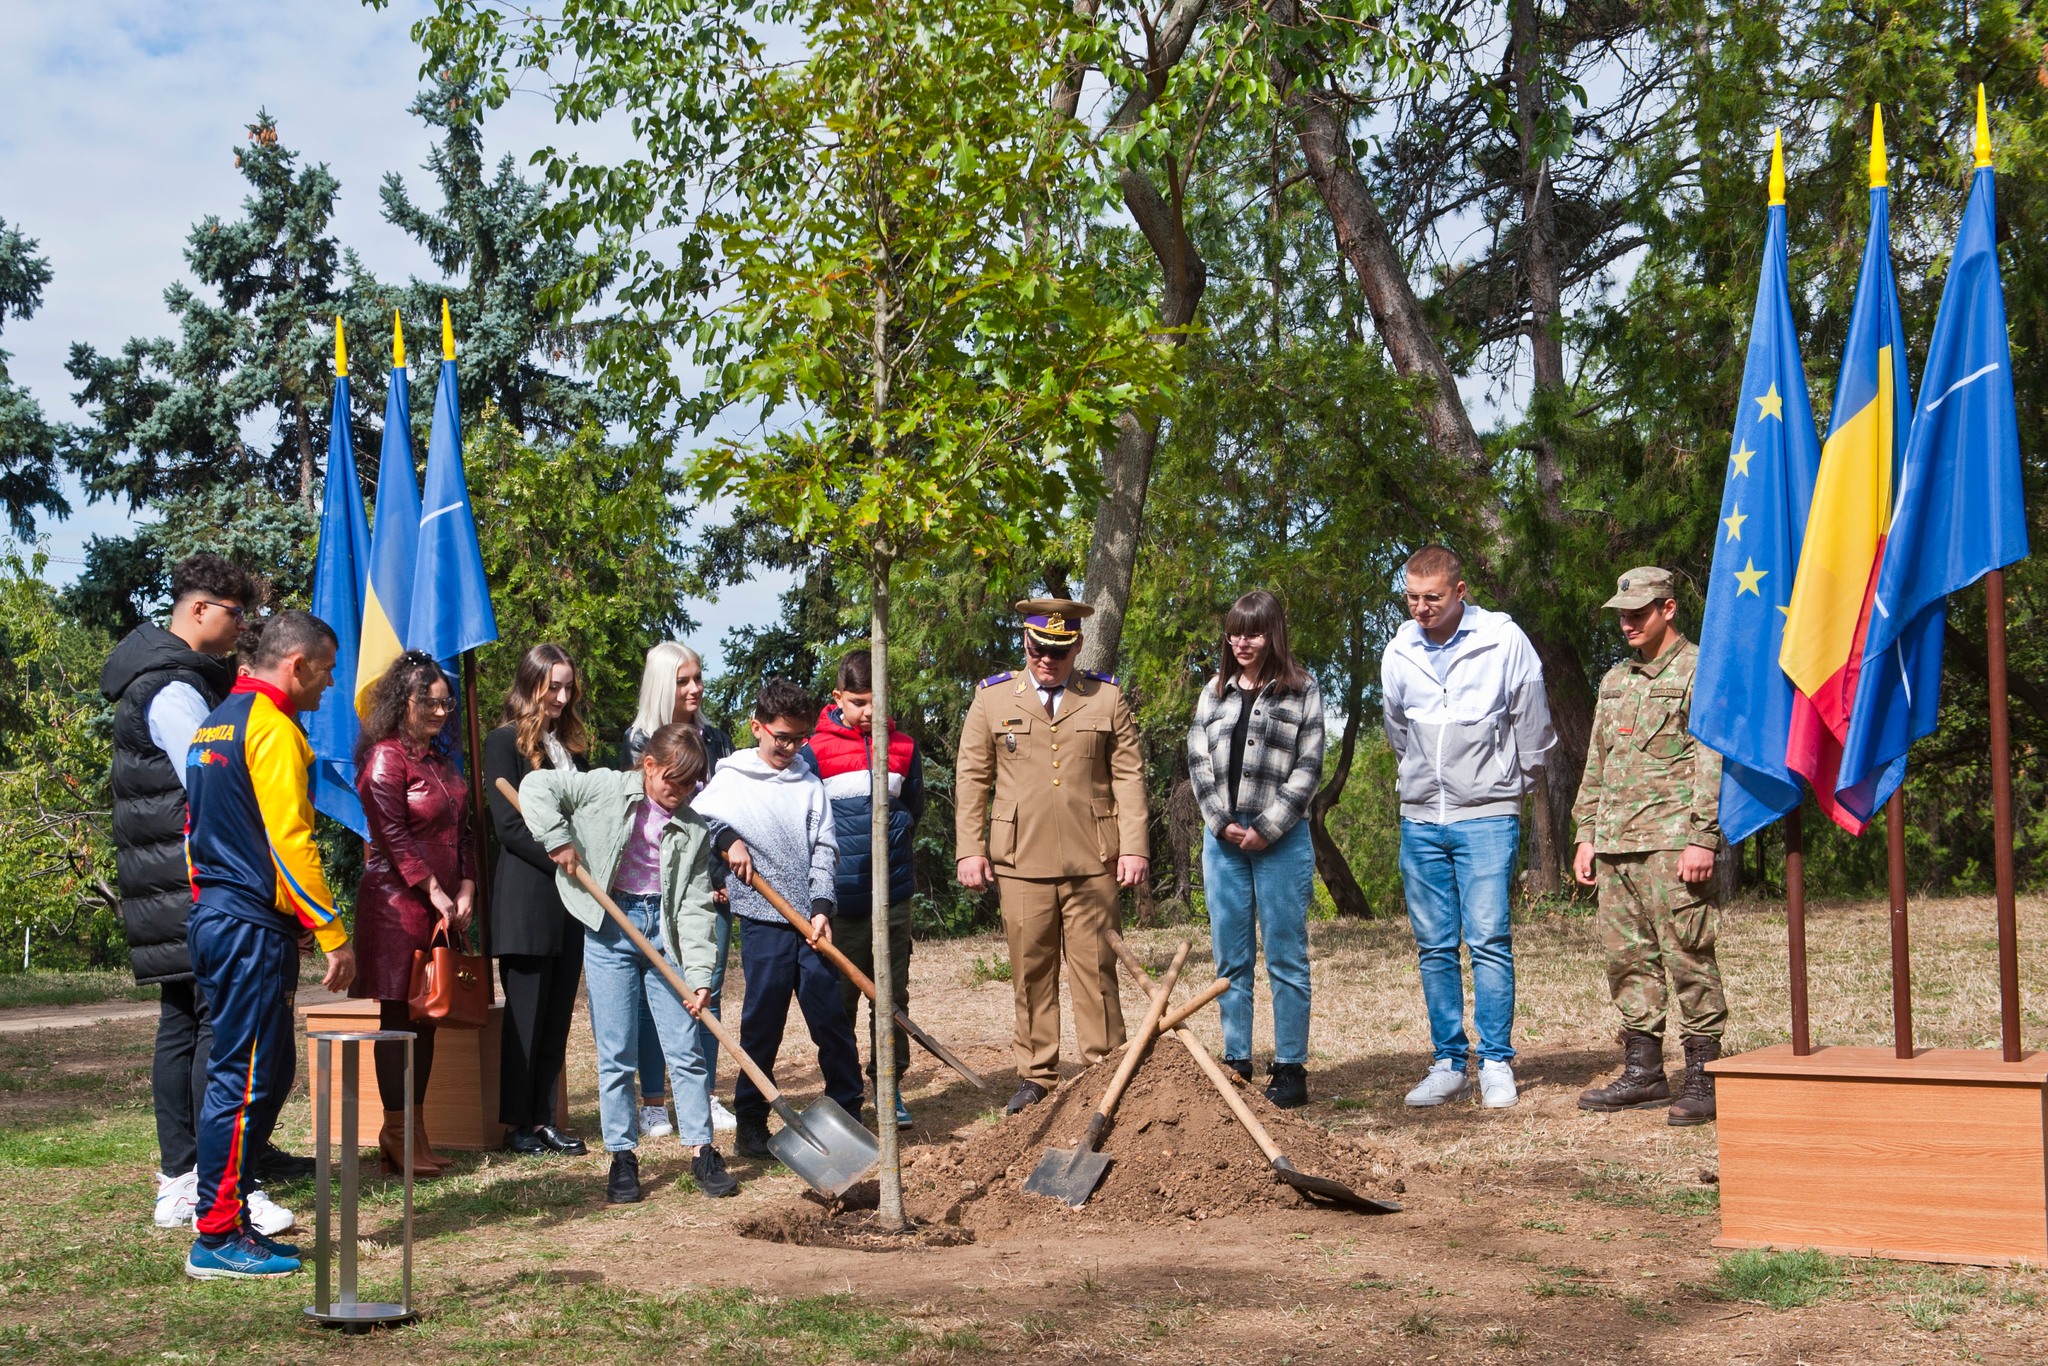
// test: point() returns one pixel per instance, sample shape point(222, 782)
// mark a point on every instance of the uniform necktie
point(1050, 697)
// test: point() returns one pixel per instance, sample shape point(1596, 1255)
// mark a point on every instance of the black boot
point(1696, 1105)
point(1641, 1083)
point(624, 1186)
point(1241, 1066)
point(752, 1140)
point(1288, 1088)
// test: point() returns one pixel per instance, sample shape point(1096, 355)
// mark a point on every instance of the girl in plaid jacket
point(1255, 757)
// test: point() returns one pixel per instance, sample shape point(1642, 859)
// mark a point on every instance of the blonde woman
point(672, 690)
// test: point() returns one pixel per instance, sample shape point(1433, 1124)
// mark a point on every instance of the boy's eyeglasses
point(783, 741)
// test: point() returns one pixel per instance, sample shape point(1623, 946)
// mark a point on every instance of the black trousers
point(177, 1074)
point(779, 964)
point(540, 998)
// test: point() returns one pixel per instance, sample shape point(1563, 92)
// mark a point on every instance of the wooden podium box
point(462, 1095)
point(1941, 1157)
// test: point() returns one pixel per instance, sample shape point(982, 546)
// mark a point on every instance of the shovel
point(824, 1145)
point(1070, 1175)
point(860, 979)
point(1321, 1186)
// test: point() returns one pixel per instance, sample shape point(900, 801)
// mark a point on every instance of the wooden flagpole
point(1795, 929)
point(1902, 958)
point(479, 826)
point(2001, 818)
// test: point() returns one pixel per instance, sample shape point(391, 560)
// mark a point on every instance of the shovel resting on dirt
point(1321, 1186)
point(1071, 1175)
point(860, 979)
point(824, 1145)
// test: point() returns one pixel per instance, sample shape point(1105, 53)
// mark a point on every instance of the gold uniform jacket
point(1058, 798)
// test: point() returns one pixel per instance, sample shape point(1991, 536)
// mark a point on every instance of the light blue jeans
point(1256, 896)
point(653, 1069)
point(1456, 878)
point(622, 985)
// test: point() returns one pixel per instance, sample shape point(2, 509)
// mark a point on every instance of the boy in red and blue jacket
point(257, 887)
point(838, 754)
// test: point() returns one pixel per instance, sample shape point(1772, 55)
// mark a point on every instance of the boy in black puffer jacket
point(838, 754)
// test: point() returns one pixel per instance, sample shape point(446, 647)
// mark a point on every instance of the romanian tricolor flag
point(387, 605)
point(1852, 510)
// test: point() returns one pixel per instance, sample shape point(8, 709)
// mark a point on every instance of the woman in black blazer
point(538, 947)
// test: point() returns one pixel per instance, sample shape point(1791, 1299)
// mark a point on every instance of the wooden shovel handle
point(1191, 1007)
point(830, 950)
point(1135, 1049)
point(1199, 1053)
point(661, 964)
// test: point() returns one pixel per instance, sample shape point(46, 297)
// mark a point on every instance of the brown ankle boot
point(1641, 1082)
point(1696, 1105)
point(391, 1144)
point(422, 1147)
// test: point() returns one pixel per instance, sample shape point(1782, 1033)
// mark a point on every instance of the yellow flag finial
point(447, 333)
point(340, 351)
point(1983, 130)
point(1777, 167)
point(1877, 180)
point(397, 342)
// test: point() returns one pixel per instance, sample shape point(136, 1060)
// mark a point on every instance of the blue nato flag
point(394, 543)
point(1958, 514)
point(1742, 700)
point(451, 603)
point(339, 576)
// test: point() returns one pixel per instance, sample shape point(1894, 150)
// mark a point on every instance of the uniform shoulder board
point(993, 679)
point(1100, 678)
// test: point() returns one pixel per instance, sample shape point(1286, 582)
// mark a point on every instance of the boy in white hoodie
point(770, 818)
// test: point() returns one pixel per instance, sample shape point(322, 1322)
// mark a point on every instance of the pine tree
point(486, 236)
point(28, 443)
point(170, 417)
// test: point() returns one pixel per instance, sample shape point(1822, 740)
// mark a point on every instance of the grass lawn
point(1533, 1234)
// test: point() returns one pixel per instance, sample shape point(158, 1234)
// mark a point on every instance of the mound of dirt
point(1176, 1150)
point(848, 1222)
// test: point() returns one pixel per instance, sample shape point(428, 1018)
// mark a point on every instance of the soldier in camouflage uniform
point(1647, 818)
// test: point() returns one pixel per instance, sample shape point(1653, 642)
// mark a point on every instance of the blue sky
point(118, 125)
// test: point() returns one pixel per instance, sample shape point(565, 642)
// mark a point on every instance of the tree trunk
point(305, 456)
point(889, 1213)
point(1539, 247)
point(1331, 865)
point(1127, 469)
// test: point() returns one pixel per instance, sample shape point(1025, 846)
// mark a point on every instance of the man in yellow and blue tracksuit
point(257, 888)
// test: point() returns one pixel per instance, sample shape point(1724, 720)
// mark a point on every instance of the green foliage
point(56, 750)
point(127, 580)
point(28, 443)
point(581, 540)
point(1782, 1280)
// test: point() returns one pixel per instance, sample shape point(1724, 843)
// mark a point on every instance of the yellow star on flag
point(1741, 460)
point(1734, 524)
point(1770, 405)
point(1749, 574)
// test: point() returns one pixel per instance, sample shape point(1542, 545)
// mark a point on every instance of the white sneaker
point(722, 1119)
point(177, 1199)
point(654, 1122)
point(1496, 1085)
point(268, 1217)
point(1444, 1081)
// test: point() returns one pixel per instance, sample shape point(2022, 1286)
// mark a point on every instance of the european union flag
point(451, 603)
point(1958, 514)
point(339, 572)
point(1742, 701)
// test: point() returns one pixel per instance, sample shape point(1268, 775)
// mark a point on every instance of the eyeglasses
point(1038, 651)
point(440, 706)
point(1426, 599)
point(238, 613)
point(783, 741)
point(1245, 637)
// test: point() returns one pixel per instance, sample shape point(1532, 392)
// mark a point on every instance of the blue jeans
point(622, 984)
point(1262, 895)
point(1457, 877)
point(653, 1071)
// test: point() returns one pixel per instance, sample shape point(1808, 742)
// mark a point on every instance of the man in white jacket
point(770, 818)
point(1469, 724)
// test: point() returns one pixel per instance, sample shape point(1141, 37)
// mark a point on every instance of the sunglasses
point(238, 613)
point(1038, 651)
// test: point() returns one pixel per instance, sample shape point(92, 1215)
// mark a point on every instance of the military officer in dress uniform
point(1050, 805)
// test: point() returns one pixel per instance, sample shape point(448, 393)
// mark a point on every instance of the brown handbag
point(450, 988)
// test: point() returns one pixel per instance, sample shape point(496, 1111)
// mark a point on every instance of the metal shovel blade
point(824, 1145)
point(1327, 1189)
point(1069, 1175)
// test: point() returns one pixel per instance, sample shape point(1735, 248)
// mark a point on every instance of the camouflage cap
point(1642, 586)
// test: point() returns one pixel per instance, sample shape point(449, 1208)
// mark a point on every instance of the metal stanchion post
point(341, 1308)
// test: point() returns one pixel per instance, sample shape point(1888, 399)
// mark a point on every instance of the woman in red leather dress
point(419, 873)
